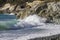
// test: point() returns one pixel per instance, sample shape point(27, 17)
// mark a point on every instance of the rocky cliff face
point(49, 9)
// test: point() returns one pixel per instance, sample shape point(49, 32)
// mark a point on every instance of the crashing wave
point(30, 21)
point(10, 22)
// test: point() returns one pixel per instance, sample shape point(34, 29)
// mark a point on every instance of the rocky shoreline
point(49, 10)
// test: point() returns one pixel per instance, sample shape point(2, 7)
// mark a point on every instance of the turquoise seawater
point(7, 24)
point(7, 21)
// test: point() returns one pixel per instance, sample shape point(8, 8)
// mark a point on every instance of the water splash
point(30, 21)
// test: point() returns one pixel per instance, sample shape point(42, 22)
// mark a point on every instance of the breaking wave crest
point(30, 21)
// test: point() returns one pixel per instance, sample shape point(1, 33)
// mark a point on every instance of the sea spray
point(30, 21)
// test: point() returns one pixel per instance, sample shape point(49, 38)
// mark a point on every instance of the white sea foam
point(11, 14)
point(32, 20)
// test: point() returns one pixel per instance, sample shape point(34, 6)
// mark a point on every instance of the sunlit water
point(33, 24)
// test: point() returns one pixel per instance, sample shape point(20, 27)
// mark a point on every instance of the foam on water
point(37, 30)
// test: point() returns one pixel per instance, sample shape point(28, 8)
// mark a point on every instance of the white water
point(31, 21)
point(34, 27)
